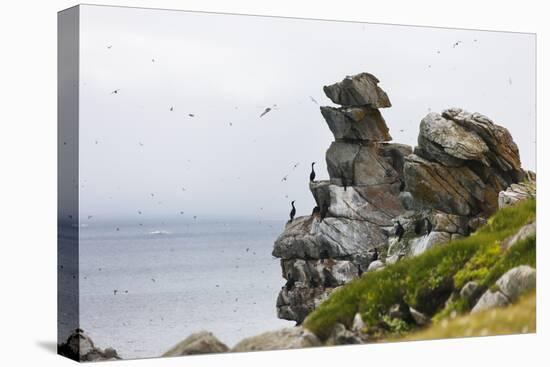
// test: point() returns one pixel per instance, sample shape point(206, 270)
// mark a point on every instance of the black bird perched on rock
point(315, 210)
point(428, 226)
point(399, 231)
point(312, 174)
point(323, 255)
point(419, 226)
point(375, 255)
point(290, 282)
point(401, 185)
point(293, 211)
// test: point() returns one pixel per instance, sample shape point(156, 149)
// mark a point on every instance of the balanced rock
point(198, 343)
point(358, 90)
point(356, 123)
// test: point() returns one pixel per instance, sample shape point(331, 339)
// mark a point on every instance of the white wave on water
point(159, 232)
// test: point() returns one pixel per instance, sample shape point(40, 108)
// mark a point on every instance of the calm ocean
point(145, 288)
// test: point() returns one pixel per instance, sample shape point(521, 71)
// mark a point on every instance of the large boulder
point(352, 164)
point(287, 338)
point(359, 202)
point(517, 281)
point(202, 342)
point(462, 161)
point(358, 90)
point(356, 123)
point(508, 288)
point(337, 238)
point(517, 192)
point(453, 190)
point(80, 347)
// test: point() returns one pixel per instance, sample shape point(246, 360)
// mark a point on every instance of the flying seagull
point(313, 100)
point(265, 111)
point(109, 47)
point(191, 115)
point(171, 108)
point(115, 91)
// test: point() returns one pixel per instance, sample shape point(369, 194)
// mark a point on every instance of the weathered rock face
point(356, 123)
point(357, 205)
point(520, 191)
point(358, 90)
point(198, 343)
point(288, 338)
point(462, 162)
point(510, 286)
point(80, 347)
point(383, 201)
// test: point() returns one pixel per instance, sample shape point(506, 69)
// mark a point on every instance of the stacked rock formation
point(356, 206)
point(444, 190)
point(462, 163)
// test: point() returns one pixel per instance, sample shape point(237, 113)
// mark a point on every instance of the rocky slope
point(385, 201)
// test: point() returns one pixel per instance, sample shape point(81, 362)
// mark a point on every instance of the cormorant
point(344, 183)
point(401, 185)
point(399, 231)
point(375, 255)
point(312, 174)
point(428, 226)
point(293, 211)
point(289, 283)
point(419, 226)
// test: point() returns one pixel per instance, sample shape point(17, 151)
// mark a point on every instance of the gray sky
point(227, 69)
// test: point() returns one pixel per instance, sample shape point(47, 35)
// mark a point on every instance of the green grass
point(425, 282)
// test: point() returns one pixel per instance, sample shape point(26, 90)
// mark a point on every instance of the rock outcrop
point(508, 288)
point(385, 201)
point(356, 206)
point(287, 338)
point(203, 342)
point(80, 347)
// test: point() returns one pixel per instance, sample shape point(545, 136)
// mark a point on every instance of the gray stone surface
point(517, 281)
point(287, 338)
point(356, 123)
point(198, 343)
point(308, 238)
point(358, 90)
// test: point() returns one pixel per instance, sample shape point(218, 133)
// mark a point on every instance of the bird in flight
point(140, 144)
point(313, 100)
point(191, 115)
point(265, 111)
point(456, 43)
point(171, 108)
point(115, 91)
point(109, 47)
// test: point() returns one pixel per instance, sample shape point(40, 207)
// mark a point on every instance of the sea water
point(144, 288)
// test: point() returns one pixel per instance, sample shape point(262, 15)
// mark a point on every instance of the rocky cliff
point(385, 201)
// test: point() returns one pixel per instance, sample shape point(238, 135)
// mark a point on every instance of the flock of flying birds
point(399, 229)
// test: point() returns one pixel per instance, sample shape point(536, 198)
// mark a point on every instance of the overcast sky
point(227, 69)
